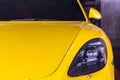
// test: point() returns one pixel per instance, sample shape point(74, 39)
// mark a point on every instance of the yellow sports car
point(52, 40)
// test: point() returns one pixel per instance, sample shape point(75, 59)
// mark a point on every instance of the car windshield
point(40, 10)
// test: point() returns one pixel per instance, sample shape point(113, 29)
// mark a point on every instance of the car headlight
point(90, 58)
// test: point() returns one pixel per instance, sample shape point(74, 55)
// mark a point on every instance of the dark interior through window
point(40, 10)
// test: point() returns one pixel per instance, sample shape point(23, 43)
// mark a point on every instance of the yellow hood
point(34, 49)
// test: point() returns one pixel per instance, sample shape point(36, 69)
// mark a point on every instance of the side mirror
point(94, 15)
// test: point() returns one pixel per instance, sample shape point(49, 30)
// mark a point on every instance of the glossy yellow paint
point(90, 32)
point(87, 33)
point(44, 50)
point(95, 14)
point(34, 49)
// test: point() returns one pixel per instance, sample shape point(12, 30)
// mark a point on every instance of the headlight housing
point(90, 58)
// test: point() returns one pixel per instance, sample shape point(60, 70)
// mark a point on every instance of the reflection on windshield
point(40, 10)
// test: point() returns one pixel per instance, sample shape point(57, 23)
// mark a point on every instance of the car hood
point(34, 49)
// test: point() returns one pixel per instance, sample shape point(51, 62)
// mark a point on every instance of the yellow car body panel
point(34, 49)
point(25, 46)
point(90, 32)
point(44, 50)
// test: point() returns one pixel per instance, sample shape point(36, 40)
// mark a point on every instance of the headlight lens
point(90, 58)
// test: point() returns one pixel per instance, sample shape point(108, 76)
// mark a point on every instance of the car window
point(40, 10)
